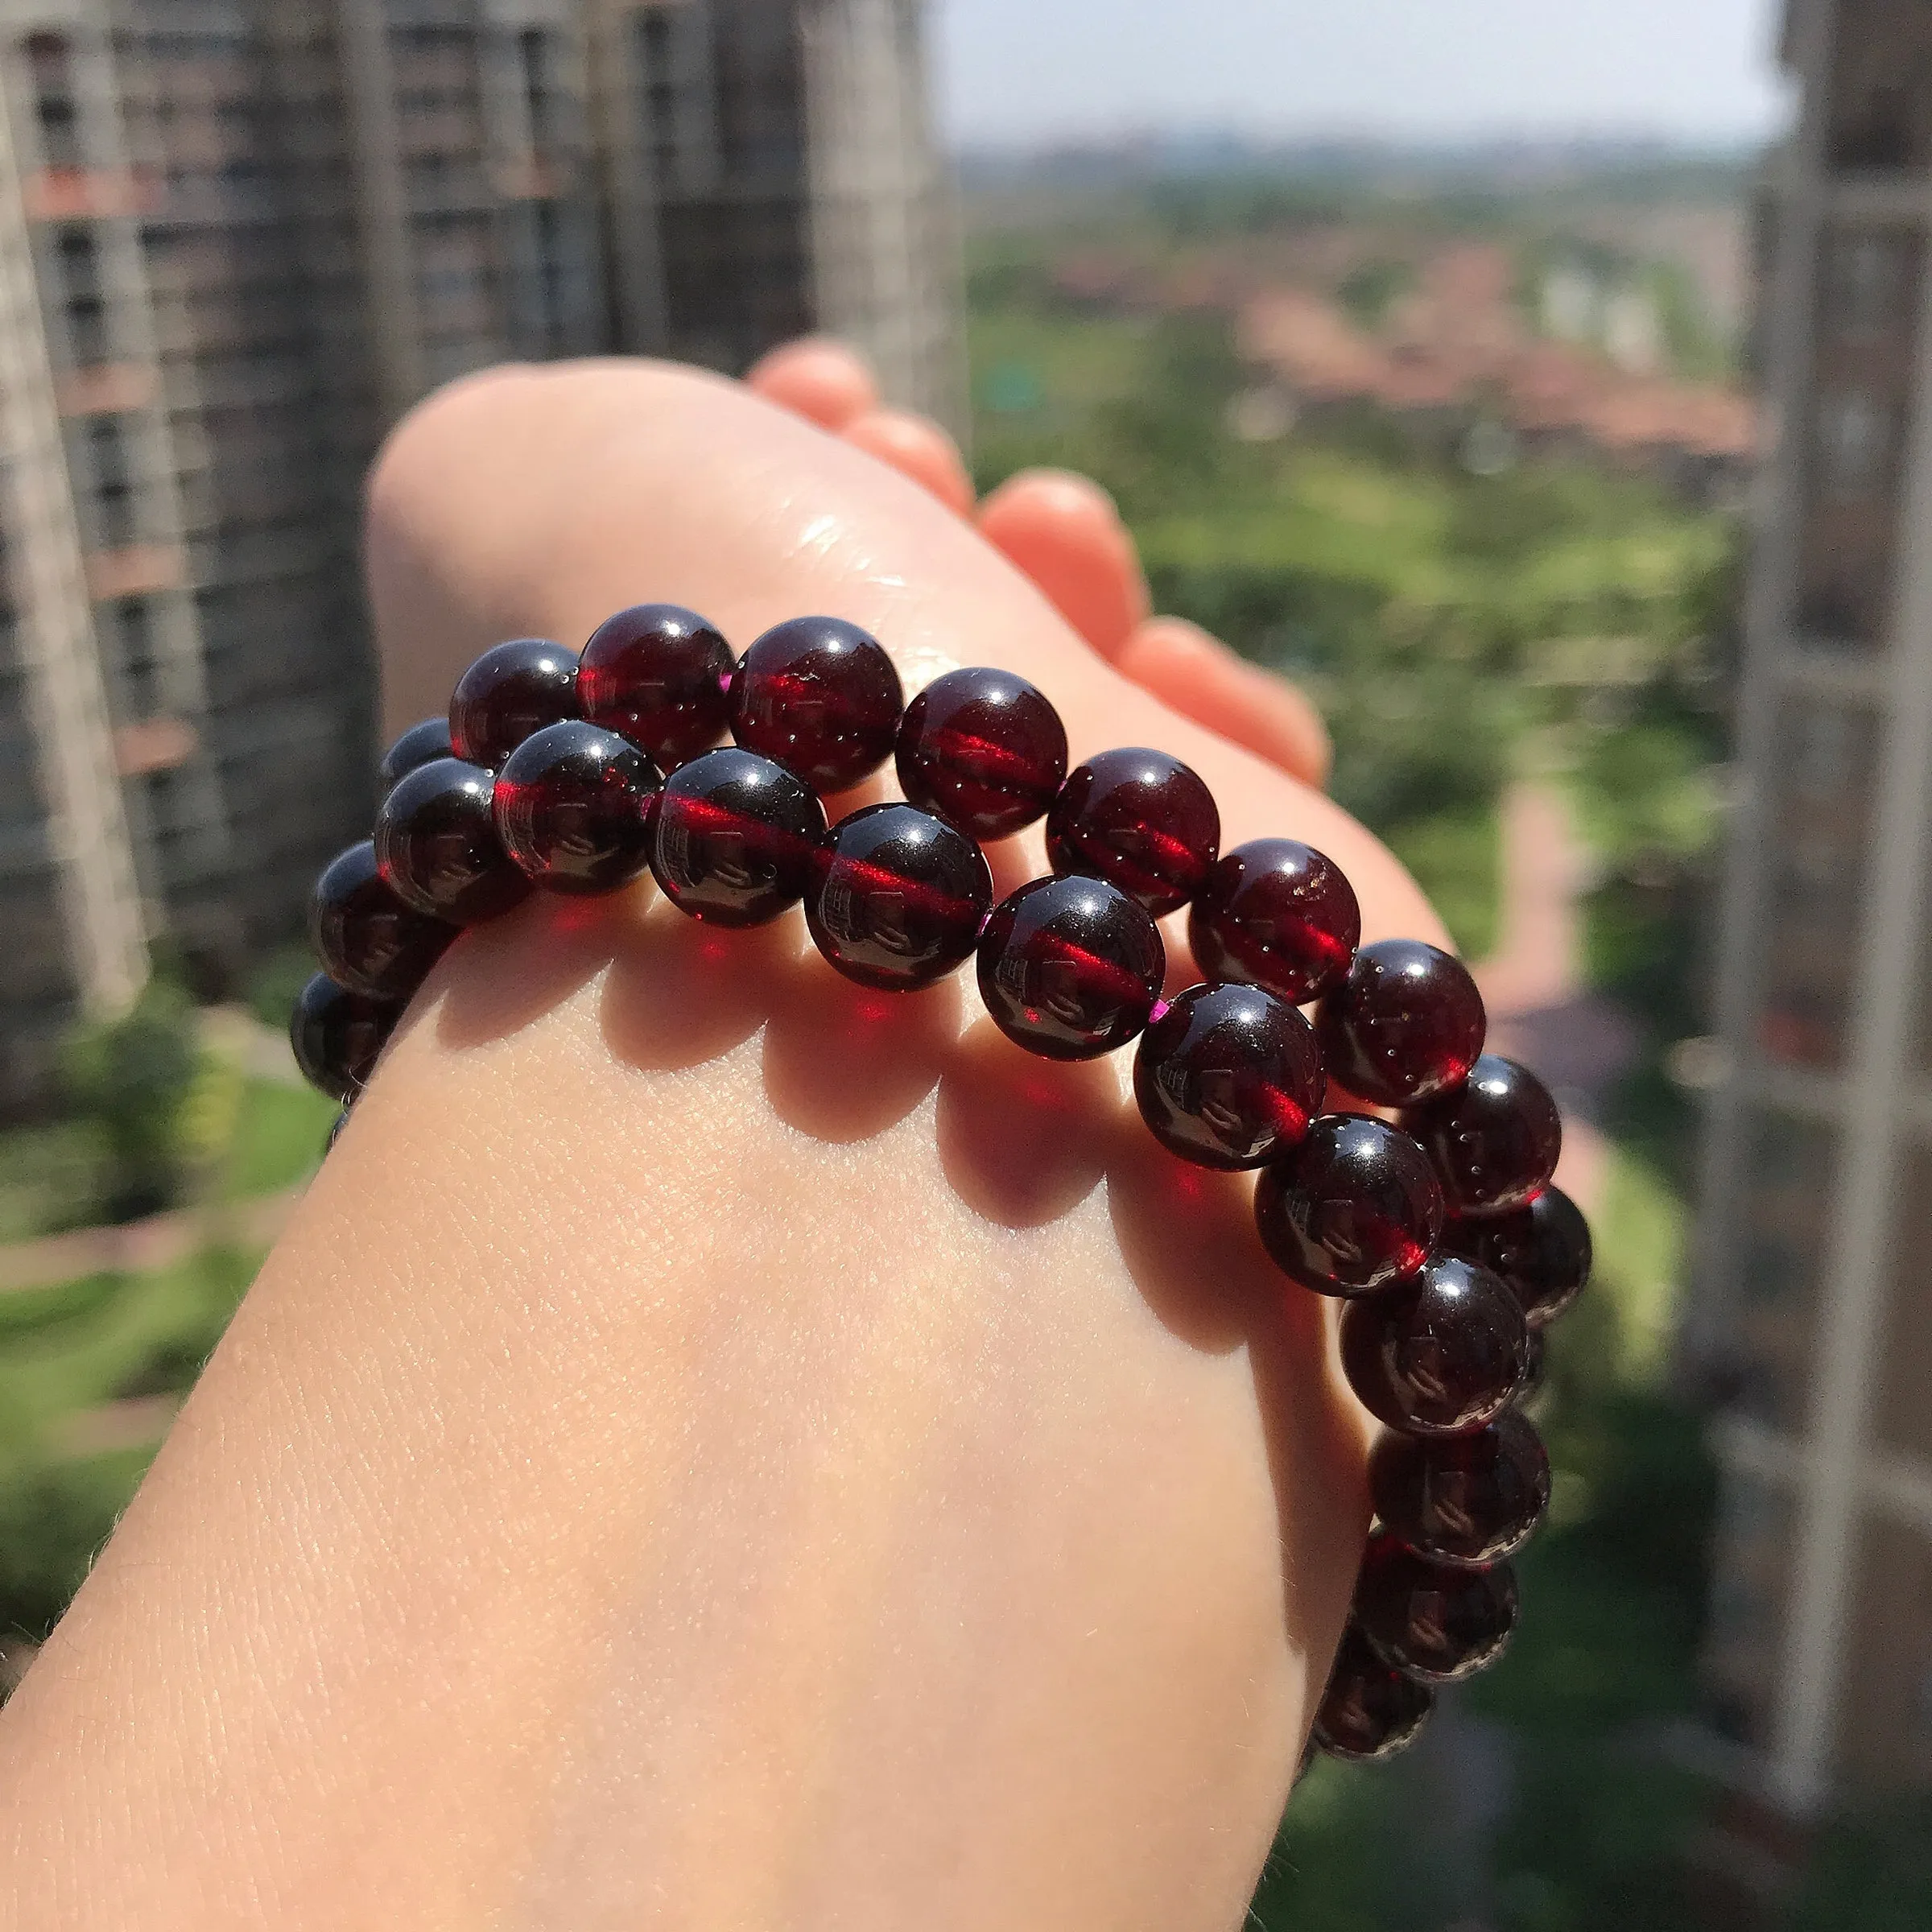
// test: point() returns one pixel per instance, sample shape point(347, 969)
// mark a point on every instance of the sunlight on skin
point(1063, 531)
point(662, 1474)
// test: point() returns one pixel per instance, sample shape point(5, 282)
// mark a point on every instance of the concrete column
point(369, 93)
point(73, 746)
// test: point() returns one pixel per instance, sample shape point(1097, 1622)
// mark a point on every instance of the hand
point(1061, 531)
point(715, 1448)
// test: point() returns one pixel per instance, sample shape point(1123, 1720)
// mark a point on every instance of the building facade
point(1813, 1305)
point(237, 239)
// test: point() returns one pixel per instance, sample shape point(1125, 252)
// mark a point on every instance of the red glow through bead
point(1142, 820)
point(1277, 913)
point(659, 675)
point(573, 805)
point(983, 750)
point(1355, 1207)
point(511, 691)
point(1494, 1140)
point(821, 697)
point(1228, 1076)
point(1069, 967)
point(1405, 1023)
point(899, 899)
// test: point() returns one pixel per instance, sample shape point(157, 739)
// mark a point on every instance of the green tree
point(131, 1079)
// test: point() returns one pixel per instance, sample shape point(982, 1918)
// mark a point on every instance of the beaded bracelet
point(1442, 1236)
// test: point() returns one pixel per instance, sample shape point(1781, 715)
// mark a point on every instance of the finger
point(1063, 531)
point(917, 447)
point(823, 381)
point(1199, 676)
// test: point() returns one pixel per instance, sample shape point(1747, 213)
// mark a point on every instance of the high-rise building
point(1812, 1300)
point(237, 239)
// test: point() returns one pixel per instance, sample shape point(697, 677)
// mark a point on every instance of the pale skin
point(716, 1449)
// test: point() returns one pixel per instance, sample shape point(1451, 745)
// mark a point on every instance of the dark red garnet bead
point(1438, 1355)
point(573, 806)
point(899, 899)
point(1228, 1076)
point(510, 691)
point(821, 697)
point(1405, 1023)
point(1355, 1207)
point(1441, 1622)
point(337, 1034)
point(421, 743)
point(365, 937)
point(660, 675)
point(1462, 1499)
point(1494, 1140)
point(436, 842)
point(1070, 968)
point(1142, 820)
point(735, 838)
point(1368, 1711)
point(982, 749)
point(1541, 1252)
point(1277, 914)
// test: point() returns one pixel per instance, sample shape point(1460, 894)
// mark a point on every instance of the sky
point(1030, 73)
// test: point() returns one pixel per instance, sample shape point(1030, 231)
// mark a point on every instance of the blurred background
point(1544, 387)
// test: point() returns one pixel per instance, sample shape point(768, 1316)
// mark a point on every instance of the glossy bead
point(1354, 1208)
point(1437, 1355)
point(1228, 1076)
point(1536, 1367)
point(335, 1133)
point(436, 842)
point(1541, 1252)
point(573, 806)
point(1069, 967)
point(660, 675)
point(1494, 1140)
point(1368, 1711)
point(420, 745)
point(982, 749)
point(1142, 820)
point(512, 691)
point(821, 697)
point(1405, 1023)
point(1440, 1622)
point(899, 899)
point(365, 937)
point(1277, 914)
point(735, 838)
point(337, 1035)
point(1462, 1499)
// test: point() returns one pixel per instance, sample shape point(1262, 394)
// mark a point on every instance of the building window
point(1875, 129)
point(50, 63)
point(1854, 444)
point(1869, 277)
point(114, 483)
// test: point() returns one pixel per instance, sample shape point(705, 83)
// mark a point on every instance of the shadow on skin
point(515, 969)
point(843, 1063)
point(681, 992)
point(1022, 1140)
point(1316, 1436)
point(1187, 1236)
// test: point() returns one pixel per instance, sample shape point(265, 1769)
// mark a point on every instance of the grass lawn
point(49, 1172)
point(67, 1349)
point(278, 1139)
point(94, 1340)
point(1458, 862)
